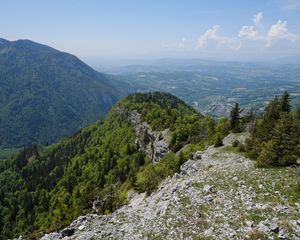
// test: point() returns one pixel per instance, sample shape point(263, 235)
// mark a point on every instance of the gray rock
point(263, 227)
point(197, 155)
point(249, 223)
point(154, 144)
point(208, 189)
point(52, 236)
point(67, 232)
point(208, 198)
point(81, 227)
point(282, 234)
point(235, 179)
point(274, 227)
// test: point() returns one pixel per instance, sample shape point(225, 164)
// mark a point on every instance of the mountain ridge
point(46, 94)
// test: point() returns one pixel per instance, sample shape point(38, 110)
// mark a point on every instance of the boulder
point(67, 232)
point(197, 155)
point(208, 189)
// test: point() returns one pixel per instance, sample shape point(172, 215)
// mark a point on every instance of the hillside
point(46, 94)
point(43, 190)
point(218, 194)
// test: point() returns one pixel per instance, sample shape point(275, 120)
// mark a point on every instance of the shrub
point(218, 142)
point(241, 147)
point(235, 143)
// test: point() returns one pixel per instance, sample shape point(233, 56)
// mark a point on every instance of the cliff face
point(218, 194)
point(154, 143)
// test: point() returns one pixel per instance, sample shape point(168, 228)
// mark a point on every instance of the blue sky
point(109, 29)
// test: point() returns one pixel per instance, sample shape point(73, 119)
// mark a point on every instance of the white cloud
point(279, 31)
point(248, 32)
point(257, 18)
point(251, 38)
point(212, 36)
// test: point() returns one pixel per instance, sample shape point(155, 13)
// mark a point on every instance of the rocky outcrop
point(154, 144)
point(217, 195)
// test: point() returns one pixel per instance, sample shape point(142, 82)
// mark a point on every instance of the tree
point(298, 112)
point(263, 128)
point(235, 118)
point(285, 102)
point(281, 149)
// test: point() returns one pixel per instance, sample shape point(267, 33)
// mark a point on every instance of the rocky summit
point(218, 194)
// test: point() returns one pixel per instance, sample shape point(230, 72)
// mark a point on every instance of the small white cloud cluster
point(211, 35)
point(276, 32)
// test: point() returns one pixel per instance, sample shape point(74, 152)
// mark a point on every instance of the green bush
point(235, 143)
point(241, 147)
point(219, 141)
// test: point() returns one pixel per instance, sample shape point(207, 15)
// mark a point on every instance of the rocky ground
point(219, 194)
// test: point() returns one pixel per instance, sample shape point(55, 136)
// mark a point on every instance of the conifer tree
point(281, 149)
point(285, 102)
point(235, 118)
point(298, 112)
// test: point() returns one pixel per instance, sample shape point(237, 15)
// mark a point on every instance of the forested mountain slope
point(45, 189)
point(46, 94)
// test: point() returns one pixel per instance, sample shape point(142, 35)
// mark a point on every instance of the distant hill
point(46, 94)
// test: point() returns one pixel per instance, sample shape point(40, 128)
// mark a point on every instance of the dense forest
point(46, 94)
point(43, 189)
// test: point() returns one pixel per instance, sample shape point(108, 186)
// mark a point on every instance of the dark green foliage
point(46, 94)
point(298, 186)
point(235, 118)
point(151, 175)
point(285, 102)
point(275, 136)
point(235, 143)
point(298, 113)
point(45, 189)
point(281, 149)
point(219, 141)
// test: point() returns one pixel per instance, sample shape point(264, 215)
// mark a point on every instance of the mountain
point(46, 94)
point(155, 168)
point(42, 190)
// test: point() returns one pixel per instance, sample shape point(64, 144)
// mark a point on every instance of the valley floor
point(217, 195)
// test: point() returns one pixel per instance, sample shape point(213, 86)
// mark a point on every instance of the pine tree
point(281, 149)
point(298, 112)
point(235, 118)
point(264, 127)
point(285, 102)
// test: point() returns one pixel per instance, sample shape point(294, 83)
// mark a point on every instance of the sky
point(149, 29)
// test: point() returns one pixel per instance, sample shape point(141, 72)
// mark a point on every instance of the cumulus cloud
point(257, 18)
point(248, 32)
point(212, 36)
point(279, 31)
point(249, 37)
